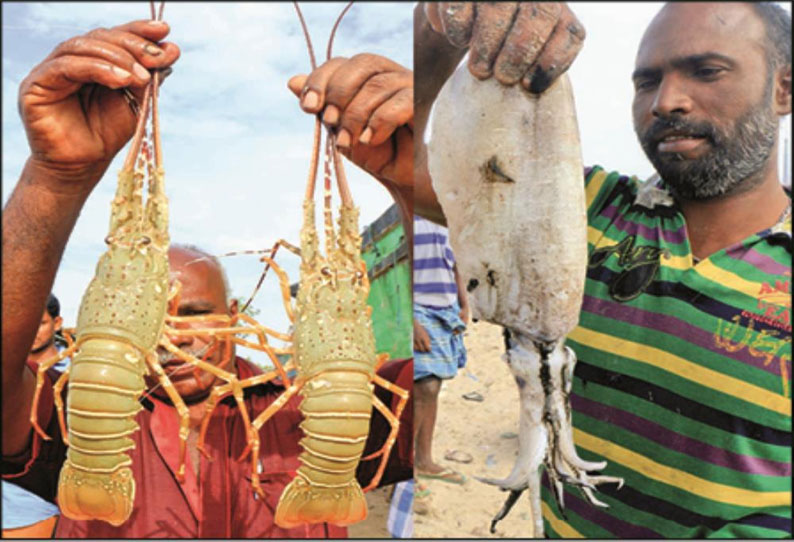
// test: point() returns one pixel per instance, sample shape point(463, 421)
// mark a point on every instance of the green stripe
point(701, 393)
point(682, 348)
point(681, 461)
point(680, 424)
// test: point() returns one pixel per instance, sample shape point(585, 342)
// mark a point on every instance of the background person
point(441, 312)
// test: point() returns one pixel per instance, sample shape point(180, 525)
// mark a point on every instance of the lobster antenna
point(315, 159)
point(155, 84)
point(333, 30)
point(341, 178)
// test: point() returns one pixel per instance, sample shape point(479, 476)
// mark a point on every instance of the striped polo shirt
point(434, 278)
point(683, 382)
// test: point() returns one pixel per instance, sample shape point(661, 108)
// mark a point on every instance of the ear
point(783, 91)
point(233, 307)
point(57, 322)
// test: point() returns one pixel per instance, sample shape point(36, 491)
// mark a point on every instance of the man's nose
point(671, 97)
point(179, 339)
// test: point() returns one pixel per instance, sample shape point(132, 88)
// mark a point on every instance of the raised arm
point(527, 43)
point(77, 118)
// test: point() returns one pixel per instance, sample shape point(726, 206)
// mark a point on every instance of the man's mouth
point(679, 142)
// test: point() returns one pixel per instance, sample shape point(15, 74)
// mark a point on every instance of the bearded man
point(684, 339)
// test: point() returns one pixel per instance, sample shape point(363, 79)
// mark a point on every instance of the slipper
point(447, 475)
point(459, 456)
point(421, 491)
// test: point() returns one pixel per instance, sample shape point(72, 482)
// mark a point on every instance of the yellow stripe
point(708, 270)
point(559, 526)
point(685, 369)
point(594, 186)
point(682, 480)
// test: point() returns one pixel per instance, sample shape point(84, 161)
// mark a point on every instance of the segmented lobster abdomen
point(337, 407)
point(106, 381)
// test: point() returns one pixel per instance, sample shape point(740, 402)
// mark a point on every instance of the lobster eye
point(145, 240)
point(325, 271)
point(109, 239)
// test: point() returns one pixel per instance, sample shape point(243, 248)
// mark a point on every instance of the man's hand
point(72, 104)
point(530, 42)
point(369, 101)
point(421, 338)
point(465, 314)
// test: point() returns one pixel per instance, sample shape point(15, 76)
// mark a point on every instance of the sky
point(236, 145)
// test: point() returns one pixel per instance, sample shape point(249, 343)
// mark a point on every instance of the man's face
point(703, 99)
point(46, 333)
point(203, 293)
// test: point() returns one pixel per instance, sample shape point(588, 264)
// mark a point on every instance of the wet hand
point(527, 42)
point(73, 106)
point(368, 101)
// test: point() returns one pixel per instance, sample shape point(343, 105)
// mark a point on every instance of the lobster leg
point(43, 368)
point(215, 396)
point(57, 388)
point(181, 408)
point(264, 416)
point(394, 421)
point(283, 281)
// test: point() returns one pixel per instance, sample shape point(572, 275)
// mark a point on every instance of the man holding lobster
point(76, 111)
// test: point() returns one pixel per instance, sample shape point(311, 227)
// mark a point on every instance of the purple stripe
point(429, 238)
point(673, 326)
point(436, 288)
point(761, 261)
point(678, 442)
point(594, 514)
point(671, 236)
point(430, 263)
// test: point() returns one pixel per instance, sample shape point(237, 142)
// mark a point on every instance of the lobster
point(333, 349)
point(123, 318)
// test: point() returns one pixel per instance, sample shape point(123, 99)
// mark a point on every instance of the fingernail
point(331, 115)
point(310, 100)
point(156, 23)
point(153, 50)
point(343, 138)
point(141, 72)
point(365, 136)
point(121, 72)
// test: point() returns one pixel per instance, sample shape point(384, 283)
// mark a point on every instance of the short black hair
point(53, 306)
point(777, 23)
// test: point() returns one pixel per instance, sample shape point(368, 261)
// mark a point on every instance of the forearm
point(37, 222)
point(463, 298)
point(434, 61)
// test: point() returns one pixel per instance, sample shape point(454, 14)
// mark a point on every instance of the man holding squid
point(684, 338)
point(76, 111)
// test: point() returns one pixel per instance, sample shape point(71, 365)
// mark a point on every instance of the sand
point(378, 512)
point(487, 430)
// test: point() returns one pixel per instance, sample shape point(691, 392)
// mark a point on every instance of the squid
point(507, 170)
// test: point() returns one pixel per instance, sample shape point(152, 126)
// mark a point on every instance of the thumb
point(296, 84)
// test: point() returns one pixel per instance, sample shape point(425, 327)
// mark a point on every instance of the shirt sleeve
point(37, 468)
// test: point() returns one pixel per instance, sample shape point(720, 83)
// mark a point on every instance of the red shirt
point(220, 505)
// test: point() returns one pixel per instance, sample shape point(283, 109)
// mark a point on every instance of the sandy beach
point(485, 430)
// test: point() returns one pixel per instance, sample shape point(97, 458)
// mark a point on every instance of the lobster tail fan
point(84, 495)
point(302, 503)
